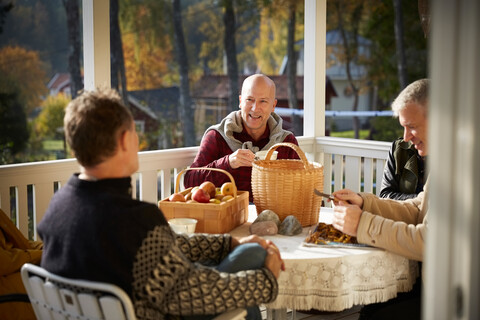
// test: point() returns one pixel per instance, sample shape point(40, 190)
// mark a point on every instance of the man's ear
point(274, 104)
point(123, 140)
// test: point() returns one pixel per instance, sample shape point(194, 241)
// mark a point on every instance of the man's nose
point(407, 135)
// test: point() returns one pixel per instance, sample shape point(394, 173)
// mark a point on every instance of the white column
point(452, 260)
point(314, 68)
point(96, 43)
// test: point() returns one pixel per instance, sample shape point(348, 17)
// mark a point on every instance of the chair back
point(57, 298)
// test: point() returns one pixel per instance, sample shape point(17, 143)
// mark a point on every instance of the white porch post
point(96, 43)
point(452, 260)
point(314, 73)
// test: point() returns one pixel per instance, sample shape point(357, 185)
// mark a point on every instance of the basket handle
point(177, 183)
point(293, 146)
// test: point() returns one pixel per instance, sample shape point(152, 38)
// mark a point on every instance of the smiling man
point(231, 144)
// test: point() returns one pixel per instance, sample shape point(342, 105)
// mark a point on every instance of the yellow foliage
point(50, 120)
point(22, 71)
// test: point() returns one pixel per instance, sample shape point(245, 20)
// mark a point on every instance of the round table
point(333, 278)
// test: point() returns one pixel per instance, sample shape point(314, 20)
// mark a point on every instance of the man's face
point(257, 102)
point(414, 122)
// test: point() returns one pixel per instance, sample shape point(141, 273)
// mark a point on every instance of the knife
point(325, 195)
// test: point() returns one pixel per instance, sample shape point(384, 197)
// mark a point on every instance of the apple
point(201, 195)
point(177, 197)
point(209, 187)
point(228, 188)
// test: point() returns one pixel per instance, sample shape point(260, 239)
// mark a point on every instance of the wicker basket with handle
point(286, 186)
point(212, 218)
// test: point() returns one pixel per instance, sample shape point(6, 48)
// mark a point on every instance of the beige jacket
point(397, 226)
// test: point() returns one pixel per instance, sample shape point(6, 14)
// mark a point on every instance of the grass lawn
point(363, 134)
point(53, 145)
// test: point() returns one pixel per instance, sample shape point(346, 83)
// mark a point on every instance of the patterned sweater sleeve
point(204, 247)
point(167, 282)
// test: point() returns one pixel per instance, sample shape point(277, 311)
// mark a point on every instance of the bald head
point(255, 80)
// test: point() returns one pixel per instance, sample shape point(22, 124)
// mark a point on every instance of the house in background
point(60, 83)
point(155, 111)
point(337, 74)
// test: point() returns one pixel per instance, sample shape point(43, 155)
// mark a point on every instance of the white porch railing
point(26, 189)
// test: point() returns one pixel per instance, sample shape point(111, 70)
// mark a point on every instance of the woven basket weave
point(286, 186)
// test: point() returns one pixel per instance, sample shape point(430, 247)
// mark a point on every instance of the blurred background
point(179, 66)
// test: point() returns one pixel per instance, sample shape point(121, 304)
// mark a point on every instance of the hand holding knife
point(325, 195)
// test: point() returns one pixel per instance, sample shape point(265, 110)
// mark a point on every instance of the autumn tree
point(22, 73)
point(147, 44)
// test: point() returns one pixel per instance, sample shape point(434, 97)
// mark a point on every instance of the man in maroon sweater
point(231, 144)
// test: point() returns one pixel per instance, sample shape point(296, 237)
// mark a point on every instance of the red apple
point(177, 197)
point(201, 195)
point(209, 187)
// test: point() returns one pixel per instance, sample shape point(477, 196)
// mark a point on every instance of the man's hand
point(273, 261)
point(349, 196)
point(241, 158)
point(346, 217)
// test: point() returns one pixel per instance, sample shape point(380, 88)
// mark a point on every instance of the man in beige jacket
point(396, 226)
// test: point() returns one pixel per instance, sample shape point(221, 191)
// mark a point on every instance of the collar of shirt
point(244, 136)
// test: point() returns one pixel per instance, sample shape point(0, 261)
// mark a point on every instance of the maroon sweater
point(214, 152)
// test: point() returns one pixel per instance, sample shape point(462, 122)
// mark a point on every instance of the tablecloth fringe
point(335, 304)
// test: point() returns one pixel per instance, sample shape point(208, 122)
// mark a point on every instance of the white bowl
point(183, 225)
point(260, 155)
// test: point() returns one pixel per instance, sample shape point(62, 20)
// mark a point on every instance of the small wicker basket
point(212, 218)
point(286, 186)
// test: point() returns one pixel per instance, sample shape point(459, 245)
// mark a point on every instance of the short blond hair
point(416, 92)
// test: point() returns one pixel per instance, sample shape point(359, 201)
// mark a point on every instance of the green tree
point(13, 127)
point(186, 112)
point(49, 122)
point(72, 10)
point(382, 64)
point(4, 8)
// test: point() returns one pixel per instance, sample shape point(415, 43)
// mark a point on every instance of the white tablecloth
point(334, 279)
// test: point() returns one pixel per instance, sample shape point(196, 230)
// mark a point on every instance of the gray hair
point(416, 92)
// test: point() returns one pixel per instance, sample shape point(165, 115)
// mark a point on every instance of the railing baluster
point(368, 175)
point(42, 193)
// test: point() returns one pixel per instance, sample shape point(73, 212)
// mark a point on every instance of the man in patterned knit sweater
point(94, 230)
point(231, 144)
